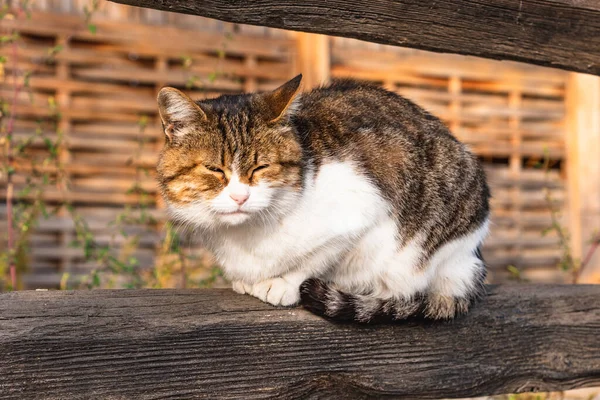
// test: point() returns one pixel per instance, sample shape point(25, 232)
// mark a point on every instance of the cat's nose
point(239, 198)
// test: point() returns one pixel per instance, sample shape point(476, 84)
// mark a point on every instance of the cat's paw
point(277, 291)
point(241, 288)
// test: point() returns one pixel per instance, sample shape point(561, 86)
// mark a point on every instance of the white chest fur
point(336, 207)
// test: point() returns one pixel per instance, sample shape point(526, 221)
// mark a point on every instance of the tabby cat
point(349, 198)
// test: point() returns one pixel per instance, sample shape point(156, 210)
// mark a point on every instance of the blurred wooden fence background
point(105, 83)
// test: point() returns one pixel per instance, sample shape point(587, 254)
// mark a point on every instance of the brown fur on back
point(429, 177)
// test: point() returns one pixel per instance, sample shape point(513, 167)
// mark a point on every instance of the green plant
point(21, 154)
point(197, 81)
point(24, 201)
point(31, 165)
point(567, 263)
point(515, 273)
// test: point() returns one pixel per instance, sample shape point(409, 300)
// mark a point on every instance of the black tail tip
point(320, 298)
point(313, 295)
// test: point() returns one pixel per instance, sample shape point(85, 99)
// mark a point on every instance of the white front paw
point(276, 291)
point(240, 287)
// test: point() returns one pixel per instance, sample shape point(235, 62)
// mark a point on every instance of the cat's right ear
point(178, 112)
point(280, 101)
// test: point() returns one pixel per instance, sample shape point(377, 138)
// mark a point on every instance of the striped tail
point(323, 299)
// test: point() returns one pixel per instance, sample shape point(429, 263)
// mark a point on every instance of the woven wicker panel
point(105, 85)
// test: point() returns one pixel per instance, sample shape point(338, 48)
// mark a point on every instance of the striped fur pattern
point(324, 299)
point(349, 198)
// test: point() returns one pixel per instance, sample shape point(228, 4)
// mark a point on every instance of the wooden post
point(313, 59)
point(583, 168)
point(455, 89)
point(250, 84)
point(63, 97)
point(514, 166)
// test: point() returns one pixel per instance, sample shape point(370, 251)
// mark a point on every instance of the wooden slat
point(173, 39)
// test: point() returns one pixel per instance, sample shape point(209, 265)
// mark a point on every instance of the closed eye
point(260, 167)
point(214, 169)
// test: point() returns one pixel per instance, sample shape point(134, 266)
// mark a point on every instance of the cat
point(349, 197)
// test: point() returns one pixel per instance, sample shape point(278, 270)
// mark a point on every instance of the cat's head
point(230, 160)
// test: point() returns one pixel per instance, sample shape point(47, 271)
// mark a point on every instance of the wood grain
point(149, 344)
point(556, 33)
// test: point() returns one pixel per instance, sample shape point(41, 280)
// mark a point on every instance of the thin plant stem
point(183, 270)
point(589, 254)
point(567, 257)
point(10, 127)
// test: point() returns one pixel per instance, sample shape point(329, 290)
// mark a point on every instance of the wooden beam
point(555, 33)
point(217, 344)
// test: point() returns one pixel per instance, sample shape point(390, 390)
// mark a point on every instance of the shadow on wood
point(556, 33)
point(217, 344)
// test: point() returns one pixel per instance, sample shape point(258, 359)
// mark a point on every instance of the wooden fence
point(105, 84)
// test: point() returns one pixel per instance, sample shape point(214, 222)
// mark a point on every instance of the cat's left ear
point(280, 101)
point(178, 112)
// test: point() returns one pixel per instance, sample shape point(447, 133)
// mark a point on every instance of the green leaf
point(514, 272)
point(92, 28)
point(186, 61)
point(64, 281)
point(9, 38)
point(48, 143)
point(24, 192)
point(143, 121)
point(55, 50)
point(44, 210)
point(27, 78)
point(191, 82)
point(96, 279)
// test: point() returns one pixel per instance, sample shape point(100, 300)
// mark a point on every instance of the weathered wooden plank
point(217, 344)
point(556, 33)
